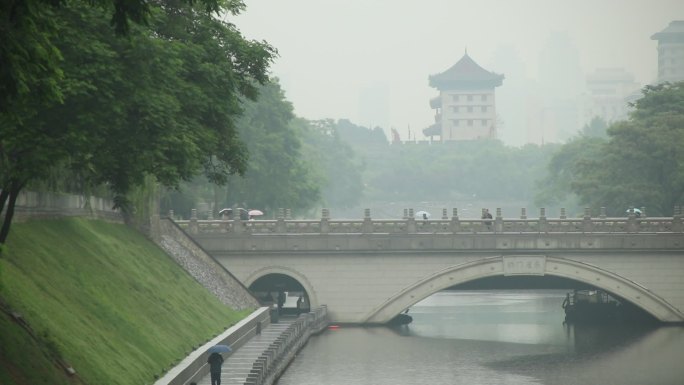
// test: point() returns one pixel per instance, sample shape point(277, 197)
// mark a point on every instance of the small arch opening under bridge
point(281, 290)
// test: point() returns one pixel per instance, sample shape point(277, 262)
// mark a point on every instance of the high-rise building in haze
point(671, 52)
point(609, 91)
point(559, 89)
point(465, 108)
point(512, 100)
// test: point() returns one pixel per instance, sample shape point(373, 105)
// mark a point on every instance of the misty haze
point(350, 192)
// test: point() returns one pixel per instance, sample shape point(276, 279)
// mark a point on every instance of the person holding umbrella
point(215, 362)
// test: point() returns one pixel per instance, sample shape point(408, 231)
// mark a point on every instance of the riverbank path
point(239, 362)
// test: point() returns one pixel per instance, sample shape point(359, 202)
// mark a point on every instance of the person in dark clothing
point(281, 300)
point(215, 361)
point(487, 215)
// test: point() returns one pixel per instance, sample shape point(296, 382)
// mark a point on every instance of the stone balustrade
point(49, 205)
point(444, 225)
point(275, 359)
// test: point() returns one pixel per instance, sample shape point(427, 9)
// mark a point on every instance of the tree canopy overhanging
point(161, 100)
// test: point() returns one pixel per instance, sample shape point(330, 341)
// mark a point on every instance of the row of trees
point(639, 162)
point(160, 100)
point(303, 164)
point(294, 163)
point(632, 163)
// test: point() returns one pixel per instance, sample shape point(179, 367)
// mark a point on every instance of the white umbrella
point(255, 213)
point(422, 214)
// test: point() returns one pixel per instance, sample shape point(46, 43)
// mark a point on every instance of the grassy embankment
point(114, 306)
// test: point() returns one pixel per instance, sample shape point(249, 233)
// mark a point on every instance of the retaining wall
point(32, 204)
point(203, 267)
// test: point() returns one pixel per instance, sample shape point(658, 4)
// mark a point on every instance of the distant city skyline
point(369, 62)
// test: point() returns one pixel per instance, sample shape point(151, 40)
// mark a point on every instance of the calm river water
point(494, 338)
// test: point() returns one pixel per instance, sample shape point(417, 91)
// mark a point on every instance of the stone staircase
point(240, 362)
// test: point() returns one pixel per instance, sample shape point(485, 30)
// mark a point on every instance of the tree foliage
point(555, 188)
point(484, 169)
point(161, 101)
point(29, 57)
point(641, 163)
point(337, 165)
point(277, 175)
point(596, 128)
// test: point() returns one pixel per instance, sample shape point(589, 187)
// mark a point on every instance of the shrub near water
point(114, 305)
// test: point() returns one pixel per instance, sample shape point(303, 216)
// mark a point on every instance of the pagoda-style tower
point(671, 52)
point(465, 107)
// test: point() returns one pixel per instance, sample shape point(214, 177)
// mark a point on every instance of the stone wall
point(31, 204)
point(203, 267)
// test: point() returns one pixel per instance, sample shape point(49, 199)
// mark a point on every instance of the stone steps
point(239, 363)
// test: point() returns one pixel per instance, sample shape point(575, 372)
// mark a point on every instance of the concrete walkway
point(239, 362)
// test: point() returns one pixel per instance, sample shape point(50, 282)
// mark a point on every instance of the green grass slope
point(24, 361)
point(114, 306)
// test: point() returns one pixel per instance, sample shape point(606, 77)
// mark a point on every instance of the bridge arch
point(292, 273)
point(531, 265)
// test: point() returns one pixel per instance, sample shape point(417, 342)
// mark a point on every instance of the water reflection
point(487, 337)
point(528, 317)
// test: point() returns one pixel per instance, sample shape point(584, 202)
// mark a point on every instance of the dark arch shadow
point(274, 288)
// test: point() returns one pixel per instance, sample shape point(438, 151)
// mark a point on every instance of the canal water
point(493, 338)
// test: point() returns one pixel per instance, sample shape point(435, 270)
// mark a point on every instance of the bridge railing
point(444, 225)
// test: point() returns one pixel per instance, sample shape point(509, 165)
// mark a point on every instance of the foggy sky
point(369, 60)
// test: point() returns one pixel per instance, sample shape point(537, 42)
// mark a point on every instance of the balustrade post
point(643, 212)
point(237, 222)
point(602, 213)
point(194, 227)
point(410, 222)
point(405, 214)
point(444, 214)
point(455, 223)
point(632, 223)
point(498, 221)
point(288, 214)
point(367, 224)
point(677, 225)
point(586, 221)
point(325, 221)
point(523, 213)
point(562, 214)
point(280, 223)
point(171, 215)
point(543, 225)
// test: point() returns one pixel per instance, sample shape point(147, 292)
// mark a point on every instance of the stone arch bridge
point(367, 271)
